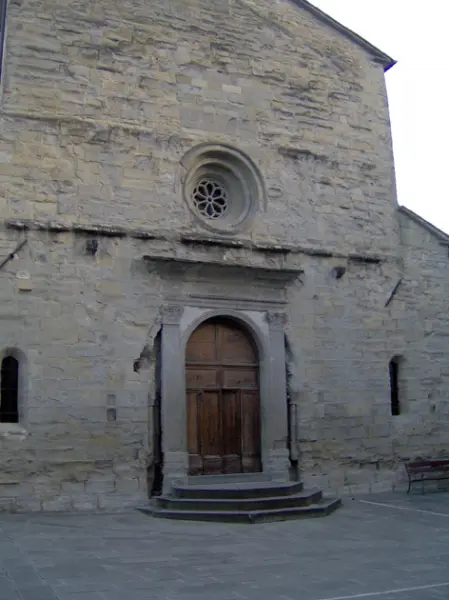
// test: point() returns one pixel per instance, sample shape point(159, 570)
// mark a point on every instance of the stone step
point(307, 498)
point(235, 489)
point(320, 509)
point(231, 478)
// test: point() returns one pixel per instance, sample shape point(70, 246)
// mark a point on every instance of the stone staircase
point(246, 498)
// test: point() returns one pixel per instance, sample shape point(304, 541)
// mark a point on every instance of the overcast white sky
point(415, 33)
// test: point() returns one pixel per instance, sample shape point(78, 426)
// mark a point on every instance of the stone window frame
point(236, 173)
point(22, 400)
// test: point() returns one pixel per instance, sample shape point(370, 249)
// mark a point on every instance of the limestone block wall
point(341, 341)
point(343, 334)
point(101, 101)
point(421, 310)
point(79, 322)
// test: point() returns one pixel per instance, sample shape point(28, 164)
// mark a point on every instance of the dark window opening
point(3, 4)
point(157, 484)
point(9, 391)
point(394, 387)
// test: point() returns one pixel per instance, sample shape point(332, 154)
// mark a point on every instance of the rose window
point(223, 189)
point(210, 199)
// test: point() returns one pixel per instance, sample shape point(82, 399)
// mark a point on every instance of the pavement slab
point(377, 547)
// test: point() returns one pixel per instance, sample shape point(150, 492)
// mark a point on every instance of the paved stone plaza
point(386, 546)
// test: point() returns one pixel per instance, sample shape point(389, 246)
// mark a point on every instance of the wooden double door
point(223, 411)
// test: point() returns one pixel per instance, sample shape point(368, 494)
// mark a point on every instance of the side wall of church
point(421, 310)
point(343, 334)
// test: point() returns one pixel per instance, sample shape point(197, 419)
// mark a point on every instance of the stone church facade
point(204, 268)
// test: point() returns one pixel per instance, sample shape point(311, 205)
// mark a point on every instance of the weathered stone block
point(100, 485)
point(85, 502)
point(28, 504)
point(121, 501)
point(127, 485)
point(57, 504)
point(7, 504)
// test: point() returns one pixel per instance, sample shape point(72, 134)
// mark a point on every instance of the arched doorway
point(223, 400)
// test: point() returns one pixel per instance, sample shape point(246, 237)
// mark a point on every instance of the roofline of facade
point(386, 61)
point(441, 235)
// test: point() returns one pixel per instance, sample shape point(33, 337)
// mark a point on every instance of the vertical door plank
point(232, 434)
point(195, 459)
point(251, 460)
point(210, 432)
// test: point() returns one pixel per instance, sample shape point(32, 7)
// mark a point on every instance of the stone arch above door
point(223, 399)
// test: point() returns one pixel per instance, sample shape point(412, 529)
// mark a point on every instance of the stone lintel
point(176, 267)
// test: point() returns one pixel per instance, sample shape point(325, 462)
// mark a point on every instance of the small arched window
point(9, 390)
point(395, 392)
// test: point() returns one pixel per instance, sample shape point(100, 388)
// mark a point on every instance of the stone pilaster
point(173, 405)
point(276, 423)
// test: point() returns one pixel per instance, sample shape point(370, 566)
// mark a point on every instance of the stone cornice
point(268, 248)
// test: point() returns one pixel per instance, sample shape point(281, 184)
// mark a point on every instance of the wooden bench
point(427, 470)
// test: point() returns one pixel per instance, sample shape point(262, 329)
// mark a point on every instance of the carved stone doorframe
point(254, 296)
point(267, 330)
